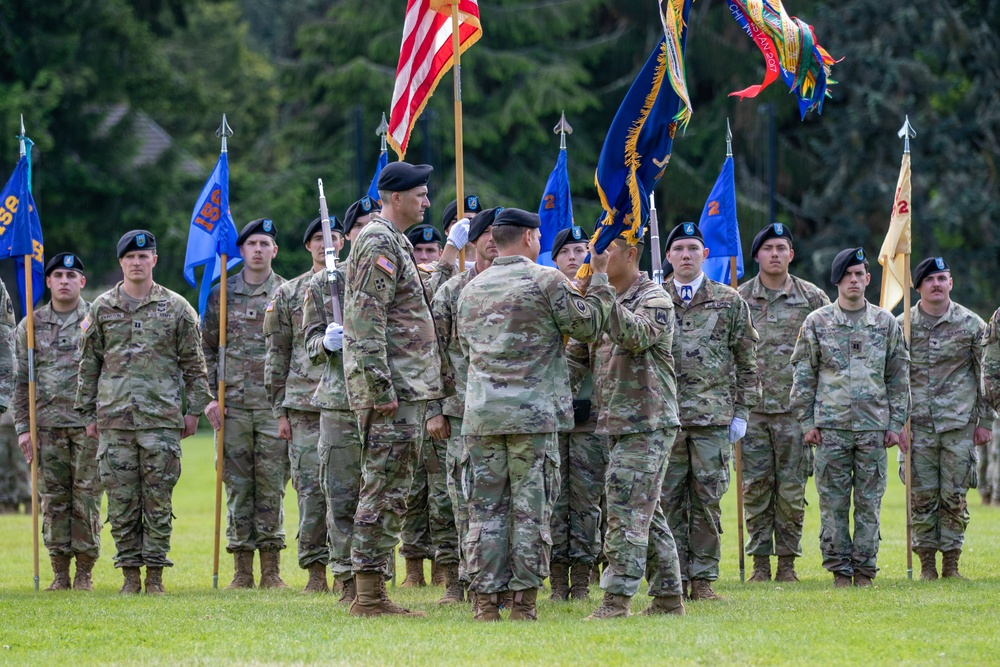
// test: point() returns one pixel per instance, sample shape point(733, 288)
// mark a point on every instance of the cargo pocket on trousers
point(551, 475)
point(471, 550)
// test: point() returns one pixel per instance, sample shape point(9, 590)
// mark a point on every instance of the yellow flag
point(897, 242)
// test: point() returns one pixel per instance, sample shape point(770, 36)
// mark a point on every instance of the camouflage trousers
point(15, 474)
point(303, 455)
point(429, 525)
point(988, 468)
point(457, 463)
point(697, 478)
point(390, 447)
point(776, 465)
point(70, 489)
point(943, 469)
point(256, 473)
point(638, 541)
point(139, 470)
point(514, 480)
point(846, 461)
point(576, 514)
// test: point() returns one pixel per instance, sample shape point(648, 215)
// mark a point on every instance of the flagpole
point(906, 132)
point(29, 318)
point(382, 131)
point(459, 153)
point(224, 132)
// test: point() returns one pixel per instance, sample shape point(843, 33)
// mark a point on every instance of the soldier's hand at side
point(387, 409)
point(598, 263)
point(737, 429)
point(214, 415)
point(812, 437)
point(893, 440)
point(438, 427)
point(981, 436)
point(904, 441)
point(190, 426)
point(284, 428)
point(24, 442)
point(92, 431)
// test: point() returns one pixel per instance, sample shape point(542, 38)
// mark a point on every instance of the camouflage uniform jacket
point(246, 347)
point(317, 313)
point(133, 363)
point(991, 362)
point(847, 376)
point(511, 325)
point(289, 374)
point(7, 324)
point(57, 361)
point(391, 350)
point(444, 308)
point(715, 356)
point(945, 368)
point(633, 363)
point(433, 276)
point(777, 320)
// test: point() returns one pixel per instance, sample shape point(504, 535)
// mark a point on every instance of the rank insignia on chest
point(386, 264)
point(251, 313)
point(855, 346)
point(934, 344)
point(137, 324)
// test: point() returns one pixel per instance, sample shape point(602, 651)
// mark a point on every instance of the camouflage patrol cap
point(927, 267)
point(317, 225)
point(422, 234)
point(844, 260)
point(364, 206)
point(685, 230)
point(64, 260)
point(258, 226)
point(482, 222)
point(773, 231)
point(568, 236)
point(137, 239)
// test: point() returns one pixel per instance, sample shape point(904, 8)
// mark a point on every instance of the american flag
point(425, 55)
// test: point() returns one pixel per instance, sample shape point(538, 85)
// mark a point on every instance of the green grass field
point(897, 622)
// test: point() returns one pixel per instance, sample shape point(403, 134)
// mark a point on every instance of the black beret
point(317, 225)
point(420, 234)
point(517, 218)
point(772, 231)
point(927, 267)
point(685, 230)
point(568, 236)
point(364, 206)
point(844, 260)
point(137, 239)
point(403, 176)
point(64, 260)
point(482, 222)
point(472, 205)
point(258, 226)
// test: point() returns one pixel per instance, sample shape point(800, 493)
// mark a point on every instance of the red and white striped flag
point(425, 55)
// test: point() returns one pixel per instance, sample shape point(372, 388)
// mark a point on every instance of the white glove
point(737, 429)
point(459, 234)
point(333, 339)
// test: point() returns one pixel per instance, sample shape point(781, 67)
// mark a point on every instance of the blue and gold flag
point(638, 144)
point(21, 229)
point(556, 208)
point(383, 160)
point(721, 229)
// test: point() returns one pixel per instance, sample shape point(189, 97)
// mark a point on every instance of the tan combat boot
point(761, 570)
point(786, 570)
point(667, 604)
point(414, 574)
point(133, 584)
point(317, 579)
point(154, 580)
point(84, 566)
point(579, 576)
point(523, 608)
point(486, 607)
point(270, 570)
point(453, 590)
point(439, 574)
point(60, 568)
point(243, 564)
point(348, 592)
point(613, 606)
point(559, 581)
point(863, 580)
point(928, 563)
point(949, 564)
point(841, 580)
point(701, 589)
point(372, 599)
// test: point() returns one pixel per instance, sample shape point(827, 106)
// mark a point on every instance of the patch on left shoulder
point(661, 316)
point(580, 304)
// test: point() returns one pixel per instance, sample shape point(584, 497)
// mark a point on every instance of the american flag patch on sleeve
point(386, 265)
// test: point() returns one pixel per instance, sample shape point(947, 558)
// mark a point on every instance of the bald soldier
point(776, 462)
point(143, 337)
point(511, 323)
point(393, 366)
point(256, 468)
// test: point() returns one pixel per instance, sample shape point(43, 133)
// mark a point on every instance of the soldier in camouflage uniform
point(12, 468)
point(444, 418)
point(69, 484)
point(140, 348)
point(637, 408)
point(393, 366)
point(714, 349)
point(583, 458)
point(511, 323)
point(949, 417)
point(291, 378)
point(850, 394)
point(776, 462)
point(255, 464)
point(988, 469)
point(450, 216)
